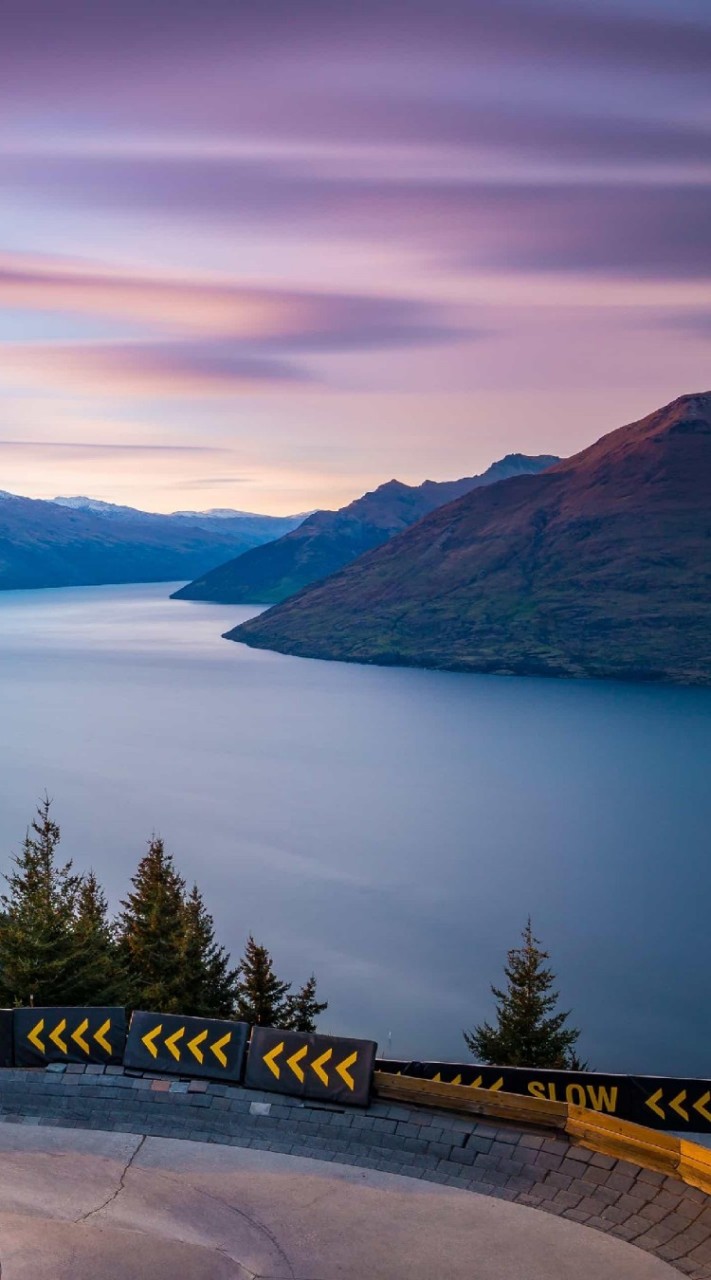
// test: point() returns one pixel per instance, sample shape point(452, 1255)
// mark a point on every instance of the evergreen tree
point(528, 1033)
point(151, 934)
point(208, 981)
point(37, 926)
point(303, 1009)
point(99, 978)
point(261, 997)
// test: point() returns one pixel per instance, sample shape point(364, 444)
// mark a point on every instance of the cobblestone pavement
point(659, 1214)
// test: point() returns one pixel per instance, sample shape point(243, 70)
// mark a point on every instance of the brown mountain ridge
point(329, 540)
point(599, 566)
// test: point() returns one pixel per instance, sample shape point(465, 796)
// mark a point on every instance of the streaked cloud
point(86, 448)
point(202, 483)
point(627, 227)
point(242, 337)
point(164, 370)
point(344, 240)
point(277, 319)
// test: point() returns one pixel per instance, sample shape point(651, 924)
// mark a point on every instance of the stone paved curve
point(81, 1205)
point(658, 1214)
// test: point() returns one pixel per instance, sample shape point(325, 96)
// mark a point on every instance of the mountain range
point(599, 566)
point(328, 540)
point(221, 519)
point(84, 542)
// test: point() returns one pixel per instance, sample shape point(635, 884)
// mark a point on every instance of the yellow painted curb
point(695, 1165)
point(623, 1140)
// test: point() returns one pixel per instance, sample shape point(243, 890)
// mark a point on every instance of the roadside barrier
point(320, 1068)
point(335, 1069)
point(658, 1102)
point(7, 1033)
point(209, 1048)
point(61, 1034)
point(620, 1139)
point(310, 1066)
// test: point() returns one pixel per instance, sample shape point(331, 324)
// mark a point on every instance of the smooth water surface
point(390, 829)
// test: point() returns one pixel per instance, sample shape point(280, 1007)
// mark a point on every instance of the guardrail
point(657, 1102)
point(322, 1068)
point(610, 1136)
point(305, 1064)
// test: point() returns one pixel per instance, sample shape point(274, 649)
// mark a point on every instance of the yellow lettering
point(602, 1099)
point(538, 1089)
point(551, 1093)
point(575, 1094)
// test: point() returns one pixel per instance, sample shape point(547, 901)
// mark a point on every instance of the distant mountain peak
point(82, 503)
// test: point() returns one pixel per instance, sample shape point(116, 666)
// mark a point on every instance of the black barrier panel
point(62, 1034)
point(7, 1024)
point(211, 1048)
point(324, 1068)
point(660, 1102)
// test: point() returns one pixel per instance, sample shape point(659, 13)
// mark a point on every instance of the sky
point(267, 256)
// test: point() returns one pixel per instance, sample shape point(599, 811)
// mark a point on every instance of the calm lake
point(389, 829)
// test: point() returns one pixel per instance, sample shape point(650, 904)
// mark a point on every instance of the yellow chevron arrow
point(476, 1084)
point(219, 1045)
point(34, 1035)
point(194, 1045)
point(343, 1071)
point(294, 1061)
point(498, 1084)
point(677, 1104)
point(78, 1036)
point(149, 1040)
point(652, 1102)
point(100, 1036)
point(700, 1105)
point(56, 1035)
point(171, 1043)
point(456, 1080)
point(271, 1057)
point(437, 1079)
point(317, 1066)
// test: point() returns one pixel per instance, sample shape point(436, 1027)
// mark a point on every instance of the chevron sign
point(211, 1048)
point(328, 1068)
point(69, 1035)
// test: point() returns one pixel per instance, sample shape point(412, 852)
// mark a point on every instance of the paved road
point(80, 1205)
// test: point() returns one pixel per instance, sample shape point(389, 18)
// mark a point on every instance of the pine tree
point(37, 942)
point(208, 981)
point(303, 1009)
point(261, 997)
point(528, 1033)
point(99, 978)
point(151, 933)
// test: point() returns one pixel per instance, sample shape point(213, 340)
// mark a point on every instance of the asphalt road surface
point(81, 1205)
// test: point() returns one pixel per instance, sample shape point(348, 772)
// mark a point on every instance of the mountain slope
point(328, 540)
point(600, 566)
point(49, 544)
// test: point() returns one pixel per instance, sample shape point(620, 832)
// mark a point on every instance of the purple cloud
point(376, 173)
point(637, 32)
point(629, 228)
